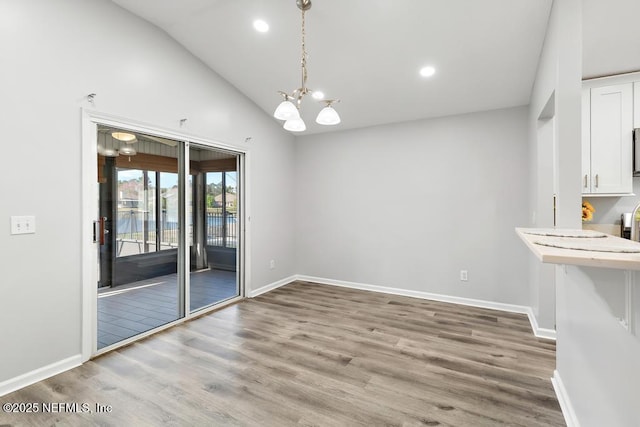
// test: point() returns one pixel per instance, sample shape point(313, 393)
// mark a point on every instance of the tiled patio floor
point(131, 309)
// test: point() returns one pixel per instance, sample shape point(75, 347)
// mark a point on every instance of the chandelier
point(289, 108)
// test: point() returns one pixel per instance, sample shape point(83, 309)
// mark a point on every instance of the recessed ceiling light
point(427, 71)
point(317, 94)
point(260, 26)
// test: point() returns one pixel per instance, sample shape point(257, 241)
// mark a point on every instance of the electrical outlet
point(272, 264)
point(464, 276)
point(23, 224)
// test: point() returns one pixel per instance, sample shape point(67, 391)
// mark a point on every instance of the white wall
point(409, 205)
point(598, 360)
point(558, 78)
point(559, 74)
point(54, 53)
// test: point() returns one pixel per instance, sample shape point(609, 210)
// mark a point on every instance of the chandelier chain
point(303, 89)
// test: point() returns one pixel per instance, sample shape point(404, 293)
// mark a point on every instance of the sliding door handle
point(96, 231)
point(99, 230)
point(103, 231)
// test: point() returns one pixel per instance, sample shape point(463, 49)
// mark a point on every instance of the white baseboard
point(39, 374)
point(539, 332)
point(272, 286)
point(512, 308)
point(564, 401)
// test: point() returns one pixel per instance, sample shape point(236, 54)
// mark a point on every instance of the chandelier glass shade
point(328, 116)
point(295, 125)
point(289, 109)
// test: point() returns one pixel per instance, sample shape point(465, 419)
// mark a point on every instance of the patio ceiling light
point(126, 137)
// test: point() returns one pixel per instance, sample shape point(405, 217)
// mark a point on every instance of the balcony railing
point(221, 230)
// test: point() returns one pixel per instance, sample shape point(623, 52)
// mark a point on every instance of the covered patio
point(128, 310)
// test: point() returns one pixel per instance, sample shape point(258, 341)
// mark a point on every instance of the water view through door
point(214, 229)
point(151, 207)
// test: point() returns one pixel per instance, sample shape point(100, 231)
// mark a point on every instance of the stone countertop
point(581, 247)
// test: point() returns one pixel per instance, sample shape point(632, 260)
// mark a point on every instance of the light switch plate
point(23, 224)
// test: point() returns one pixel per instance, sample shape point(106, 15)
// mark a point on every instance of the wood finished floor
point(308, 354)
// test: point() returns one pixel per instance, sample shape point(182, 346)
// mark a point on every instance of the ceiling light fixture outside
point(107, 152)
point(128, 151)
point(126, 137)
point(289, 109)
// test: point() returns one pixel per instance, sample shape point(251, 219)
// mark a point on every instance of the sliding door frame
point(90, 121)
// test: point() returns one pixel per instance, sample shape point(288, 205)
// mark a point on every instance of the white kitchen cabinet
point(586, 141)
point(636, 104)
point(607, 131)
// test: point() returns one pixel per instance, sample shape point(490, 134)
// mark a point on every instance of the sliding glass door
point(168, 234)
point(214, 227)
point(139, 286)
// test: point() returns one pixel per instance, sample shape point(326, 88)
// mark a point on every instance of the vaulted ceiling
point(368, 53)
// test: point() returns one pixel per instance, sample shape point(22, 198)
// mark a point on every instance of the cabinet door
point(636, 103)
point(611, 133)
point(586, 141)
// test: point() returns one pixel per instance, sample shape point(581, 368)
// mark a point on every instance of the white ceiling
point(366, 52)
point(610, 37)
